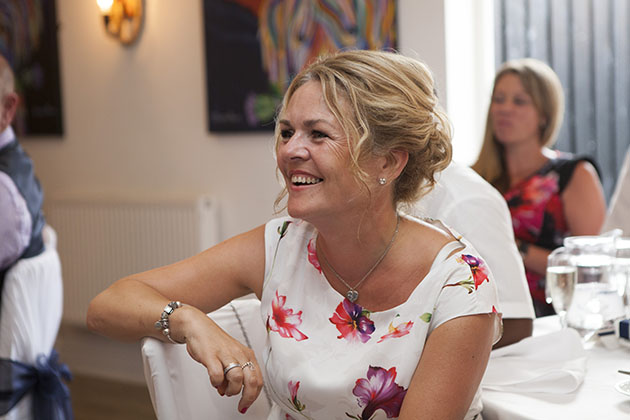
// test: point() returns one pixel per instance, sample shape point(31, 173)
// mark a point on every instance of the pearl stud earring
point(382, 181)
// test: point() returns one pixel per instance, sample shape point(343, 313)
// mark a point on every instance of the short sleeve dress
point(328, 358)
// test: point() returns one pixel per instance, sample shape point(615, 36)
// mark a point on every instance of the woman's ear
point(395, 163)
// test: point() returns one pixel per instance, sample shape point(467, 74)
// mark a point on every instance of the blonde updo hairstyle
point(384, 102)
point(544, 87)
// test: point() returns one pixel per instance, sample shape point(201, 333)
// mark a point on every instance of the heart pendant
point(352, 295)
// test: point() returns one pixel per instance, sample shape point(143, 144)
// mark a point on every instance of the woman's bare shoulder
point(433, 235)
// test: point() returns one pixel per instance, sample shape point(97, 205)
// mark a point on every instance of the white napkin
point(552, 363)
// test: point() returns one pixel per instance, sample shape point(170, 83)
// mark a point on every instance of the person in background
point(550, 194)
point(369, 312)
point(21, 197)
point(470, 205)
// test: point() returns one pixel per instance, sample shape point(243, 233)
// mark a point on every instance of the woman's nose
point(296, 147)
point(504, 107)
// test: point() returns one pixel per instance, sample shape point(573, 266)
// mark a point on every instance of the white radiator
point(102, 241)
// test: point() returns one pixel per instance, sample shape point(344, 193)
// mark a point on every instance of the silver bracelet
point(162, 323)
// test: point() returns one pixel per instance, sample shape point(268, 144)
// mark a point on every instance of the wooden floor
point(102, 399)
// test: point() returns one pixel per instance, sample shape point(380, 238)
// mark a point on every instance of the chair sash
point(51, 397)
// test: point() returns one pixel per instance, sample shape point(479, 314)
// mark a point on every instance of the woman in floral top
point(370, 314)
point(550, 194)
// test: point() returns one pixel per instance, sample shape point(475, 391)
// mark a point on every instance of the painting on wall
point(28, 40)
point(255, 47)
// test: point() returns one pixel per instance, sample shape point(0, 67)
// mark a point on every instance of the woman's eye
point(521, 101)
point(318, 134)
point(286, 134)
point(498, 99)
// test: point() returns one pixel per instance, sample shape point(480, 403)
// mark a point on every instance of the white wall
point(469, 50)
point(422, 35)
point(135, 118)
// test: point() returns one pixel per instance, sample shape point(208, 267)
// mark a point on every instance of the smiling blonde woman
point(370, 314)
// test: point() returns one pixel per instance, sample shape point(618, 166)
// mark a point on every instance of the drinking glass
point(560, 281)
point(621, 271)
point(596, 301)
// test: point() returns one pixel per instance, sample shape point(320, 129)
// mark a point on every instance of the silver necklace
point(353, 294)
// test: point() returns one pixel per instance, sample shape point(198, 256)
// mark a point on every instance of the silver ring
point(230, 367)
point(248, 364)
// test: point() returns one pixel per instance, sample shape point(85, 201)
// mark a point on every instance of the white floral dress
point(328, 358)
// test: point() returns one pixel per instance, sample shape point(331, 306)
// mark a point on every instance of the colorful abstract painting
point(255, 47)
point(28, 40)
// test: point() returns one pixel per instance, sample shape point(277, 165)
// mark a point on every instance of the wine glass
point(560, 281)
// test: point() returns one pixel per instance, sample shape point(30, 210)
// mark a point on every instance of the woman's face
point(514, 117)
point(314, 159)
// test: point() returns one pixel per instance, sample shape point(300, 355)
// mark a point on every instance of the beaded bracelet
point(162, 323)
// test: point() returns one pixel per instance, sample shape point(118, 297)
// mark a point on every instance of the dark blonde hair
point(384, 102)
point(542, 84)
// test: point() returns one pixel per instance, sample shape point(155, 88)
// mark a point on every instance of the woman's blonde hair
point(542, 84)
point(384, 102)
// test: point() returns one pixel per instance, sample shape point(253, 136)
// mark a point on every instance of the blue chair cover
point(51, 397)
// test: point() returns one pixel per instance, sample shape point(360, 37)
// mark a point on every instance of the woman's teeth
point(301, 179)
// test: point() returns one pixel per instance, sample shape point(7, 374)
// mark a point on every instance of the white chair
point(30, 312)
point(179, 386)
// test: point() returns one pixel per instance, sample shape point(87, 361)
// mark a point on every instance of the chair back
point(180, 388)
point(30, 312)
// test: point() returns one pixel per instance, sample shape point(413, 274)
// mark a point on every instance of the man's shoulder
point(458, 176)
point(459, 183)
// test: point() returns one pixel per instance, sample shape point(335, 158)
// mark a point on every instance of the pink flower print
point(378, 391)
point(398, 331)
point(352, 322)
point(283, 320)
point(527, 204)
point(293, 389)
point(312, 255)
point(540, 189)
point(478, 269)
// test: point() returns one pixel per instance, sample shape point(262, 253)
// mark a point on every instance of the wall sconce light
point(122, 18)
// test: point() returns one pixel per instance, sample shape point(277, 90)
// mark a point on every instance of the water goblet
point(560, 281)
point(621, 271)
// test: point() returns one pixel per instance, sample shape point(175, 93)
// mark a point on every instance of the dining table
point(596, 397)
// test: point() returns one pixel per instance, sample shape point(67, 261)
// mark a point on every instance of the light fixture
point(122, 18)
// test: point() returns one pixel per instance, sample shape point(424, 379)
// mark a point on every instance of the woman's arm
point(583, 201)
point(450, 370)
point(129, 308)
point(584, 209)
point(534, 258)
point(514, 330)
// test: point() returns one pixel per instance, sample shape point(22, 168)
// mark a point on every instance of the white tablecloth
point(595, 398)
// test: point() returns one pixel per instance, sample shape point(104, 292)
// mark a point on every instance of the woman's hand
point(534, 257)
point(209, 345)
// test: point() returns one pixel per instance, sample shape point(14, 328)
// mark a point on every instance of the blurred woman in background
point(550, 194)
